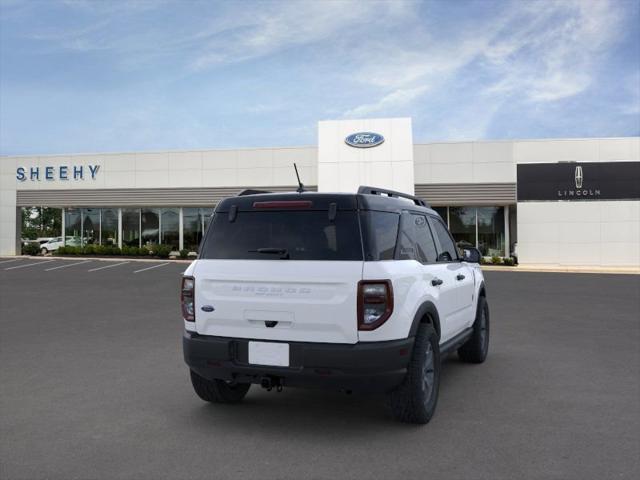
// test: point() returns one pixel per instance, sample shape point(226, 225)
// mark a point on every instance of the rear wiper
point(283, 252)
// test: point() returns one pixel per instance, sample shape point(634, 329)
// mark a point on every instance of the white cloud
point(395, 99)
point(281, 25)
point(534, 51)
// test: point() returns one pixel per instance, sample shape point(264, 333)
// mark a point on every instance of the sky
point(111, 76)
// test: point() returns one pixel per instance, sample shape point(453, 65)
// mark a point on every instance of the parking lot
point(92, 385)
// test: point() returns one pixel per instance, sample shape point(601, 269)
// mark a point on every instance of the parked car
point(355, 292)
point(57, 242)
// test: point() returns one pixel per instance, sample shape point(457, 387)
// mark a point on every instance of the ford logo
point(364, 139)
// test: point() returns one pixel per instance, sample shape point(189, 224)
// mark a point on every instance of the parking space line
point(108, 266)
point(9, 261)
point(30, 264)
point(65, 266)
point(149, 268)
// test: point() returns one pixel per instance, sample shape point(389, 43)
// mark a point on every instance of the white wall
point(342, 168)
point(590, 233)
point(7, 207)
point(209, 168)
point(464, 162)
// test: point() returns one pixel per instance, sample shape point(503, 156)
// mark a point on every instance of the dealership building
point(559, 202)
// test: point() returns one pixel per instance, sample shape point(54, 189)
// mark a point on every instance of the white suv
point(356, 292)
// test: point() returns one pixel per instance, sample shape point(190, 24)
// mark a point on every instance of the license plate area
point(269, 353)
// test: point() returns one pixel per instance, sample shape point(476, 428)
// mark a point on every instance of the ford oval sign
point(364, 139)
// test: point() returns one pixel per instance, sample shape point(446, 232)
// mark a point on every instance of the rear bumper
point(362, 367)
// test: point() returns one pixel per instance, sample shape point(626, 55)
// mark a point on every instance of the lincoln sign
point(575, 181)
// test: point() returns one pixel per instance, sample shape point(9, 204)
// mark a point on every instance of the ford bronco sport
point(355, 292)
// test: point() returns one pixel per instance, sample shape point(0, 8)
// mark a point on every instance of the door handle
point(436, 281)
point(460, 277)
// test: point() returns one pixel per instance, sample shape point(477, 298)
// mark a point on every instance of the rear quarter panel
point(410, 290)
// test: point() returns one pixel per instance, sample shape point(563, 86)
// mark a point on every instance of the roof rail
point(392, 193)
point(251, 191)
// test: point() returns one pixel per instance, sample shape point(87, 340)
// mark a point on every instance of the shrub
point(482, 260)
point(496, 260)
point(89, 250)
point(163, 251)
point(508, 261)
point(31, 249)
point(144, 251)
point(68, 250)
point(184, 253)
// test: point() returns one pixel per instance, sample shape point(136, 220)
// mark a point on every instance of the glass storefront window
point(170, 232)
point(90, 226)
point(462, 224)
point(191, 228)
point(150, 220)
point(206, 217)
point(109, 227)
point(131, 227)
point(442, 211)
point(491, 230)
point(72, 226)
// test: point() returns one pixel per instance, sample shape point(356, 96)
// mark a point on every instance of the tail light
point(375, 303)
point(187, 299)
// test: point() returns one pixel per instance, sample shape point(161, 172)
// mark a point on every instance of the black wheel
point(476, 348)
point(414, 401)
point(218, 391)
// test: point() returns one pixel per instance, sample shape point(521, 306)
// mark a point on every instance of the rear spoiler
point(392, 193)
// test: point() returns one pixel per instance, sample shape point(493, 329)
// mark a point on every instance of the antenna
point(300, 185)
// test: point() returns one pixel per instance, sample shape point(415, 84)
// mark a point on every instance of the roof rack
point(250, 191)
point(392, 193)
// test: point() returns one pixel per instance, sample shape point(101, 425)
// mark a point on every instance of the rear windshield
point(275, 235)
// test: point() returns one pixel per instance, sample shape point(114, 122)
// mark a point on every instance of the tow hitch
point(271, 382)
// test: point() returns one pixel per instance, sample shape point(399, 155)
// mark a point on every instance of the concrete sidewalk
point(562, 269)
point(114, 258)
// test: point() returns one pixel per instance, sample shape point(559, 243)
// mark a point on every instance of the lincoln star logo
point(364, 139)
point(579, 177)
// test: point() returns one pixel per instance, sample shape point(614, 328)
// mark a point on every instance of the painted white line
point(149, 268)
point(9, 261)
point(65, 266)
point(108, 266)
point(30, 264)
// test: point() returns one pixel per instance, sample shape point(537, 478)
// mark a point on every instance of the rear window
point(273, 235)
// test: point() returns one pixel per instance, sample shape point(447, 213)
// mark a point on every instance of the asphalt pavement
point(93, 386)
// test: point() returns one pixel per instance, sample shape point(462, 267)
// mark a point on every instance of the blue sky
point(100, 76)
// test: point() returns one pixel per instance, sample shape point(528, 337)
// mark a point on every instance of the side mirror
point(471, 255)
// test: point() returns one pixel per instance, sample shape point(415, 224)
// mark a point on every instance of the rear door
point(280, 274)
point(459, 275)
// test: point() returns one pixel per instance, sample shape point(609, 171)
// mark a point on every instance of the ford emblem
point(364, 139)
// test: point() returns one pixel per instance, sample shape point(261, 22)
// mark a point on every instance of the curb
point(99, 259)
point(561, 269)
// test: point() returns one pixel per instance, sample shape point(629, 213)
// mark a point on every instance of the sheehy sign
point(61, 172)
point(575, 181)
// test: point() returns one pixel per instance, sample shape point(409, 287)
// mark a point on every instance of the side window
point(446, 247)
point(416, 242)
point(406, 238)
point(380, 232)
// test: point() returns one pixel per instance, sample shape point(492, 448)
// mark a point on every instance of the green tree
point(41, 222)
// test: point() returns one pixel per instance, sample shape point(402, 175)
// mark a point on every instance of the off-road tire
point(414, 401)
point(475, 349)
point(218, 391)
